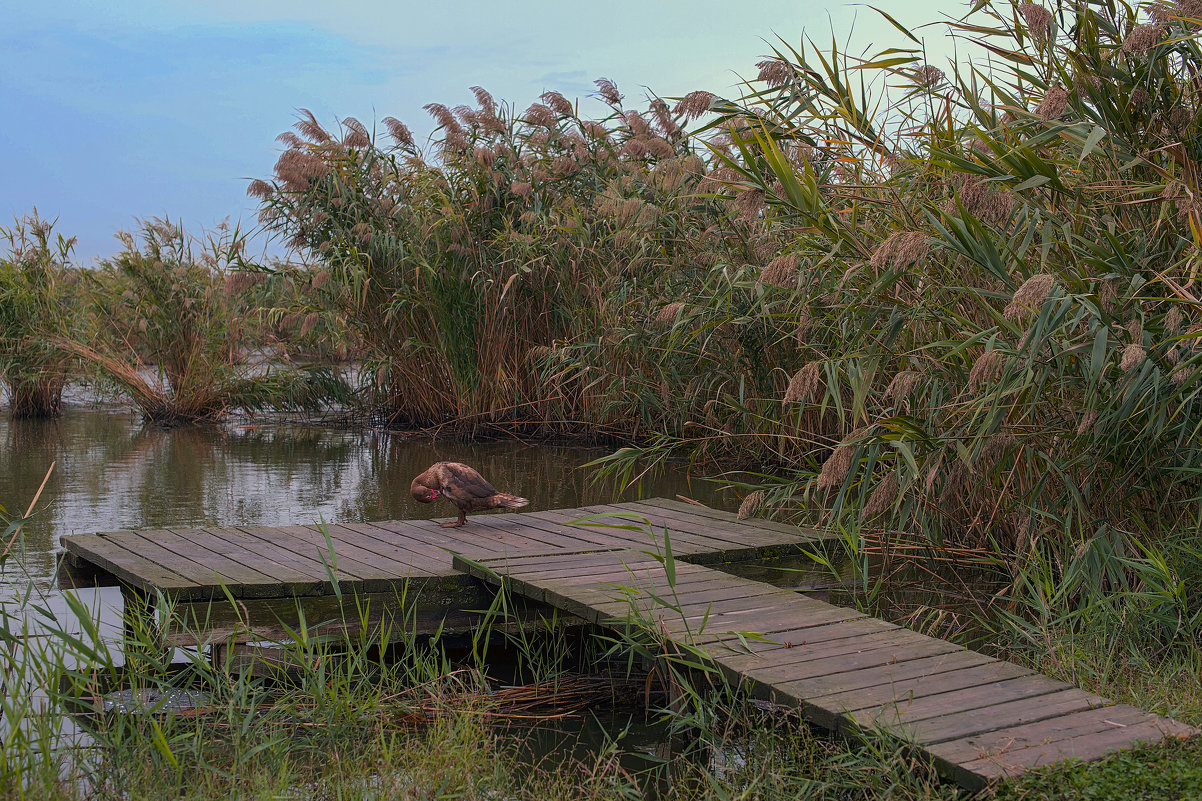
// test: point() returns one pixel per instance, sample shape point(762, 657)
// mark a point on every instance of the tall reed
point(39, 298)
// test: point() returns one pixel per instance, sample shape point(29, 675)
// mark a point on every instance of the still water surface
point(112, 472)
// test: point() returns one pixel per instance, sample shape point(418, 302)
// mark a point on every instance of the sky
point(123, 111)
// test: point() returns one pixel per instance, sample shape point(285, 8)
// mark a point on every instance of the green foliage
point(175, 330)
point(39, 299)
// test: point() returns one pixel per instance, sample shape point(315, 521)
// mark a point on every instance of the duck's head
point(423, 494)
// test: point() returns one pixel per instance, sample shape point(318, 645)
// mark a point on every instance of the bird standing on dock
point(462, 486)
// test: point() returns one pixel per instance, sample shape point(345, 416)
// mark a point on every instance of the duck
point(462, 486)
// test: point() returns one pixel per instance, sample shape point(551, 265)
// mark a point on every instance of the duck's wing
point(461, 480)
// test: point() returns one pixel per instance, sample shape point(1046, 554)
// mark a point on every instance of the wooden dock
point(979, 719)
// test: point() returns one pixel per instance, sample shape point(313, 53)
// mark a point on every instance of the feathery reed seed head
point(694, 104)
point(668, 314)
point(540, 115)
point(750, 504)
point(901, 386)
point(901, 249)
point(776, 72)
point(1143, 38)
point(1038, 19)
point(608, 90)
point(781, 271)
point(805, 384)
point(1133, 356)
point(1029, 296)
point(399, 131)
point(260, 189)
point(985, 369)
point(558, 103)
point(836, 466)
point(929, 75)
point(1054, 104)
point(989, 205)
point(882, 497)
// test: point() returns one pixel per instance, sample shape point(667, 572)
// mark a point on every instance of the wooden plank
point(598, 534)
point(253, 554)
point(392, 561)
point(957, 725)
point(912, 710)
point(732, 519)
point(632, 538)
point(977, 760)
point(692, 534)
point(307, 542)
point(201, 566)
point(802, 689)
point(737, 533)
point(805, 635)
point(447, 540)
point(407, 540)
point(922, 686)
point(787, 657)
point(1009, 742)
point(553, 536)
point(131, 567)
point(307, 547)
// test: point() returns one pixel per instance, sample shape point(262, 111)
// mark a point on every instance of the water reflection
point(112, 472)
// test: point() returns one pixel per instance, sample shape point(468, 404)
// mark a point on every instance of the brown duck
point(462, 486)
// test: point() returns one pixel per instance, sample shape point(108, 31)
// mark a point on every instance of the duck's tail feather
point(504, 499)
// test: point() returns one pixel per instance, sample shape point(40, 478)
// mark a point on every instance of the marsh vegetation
point(948, 310)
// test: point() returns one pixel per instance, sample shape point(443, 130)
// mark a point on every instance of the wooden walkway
point(978, 718)
point(297, 561)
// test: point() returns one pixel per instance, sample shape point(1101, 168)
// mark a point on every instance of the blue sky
point(120, 111)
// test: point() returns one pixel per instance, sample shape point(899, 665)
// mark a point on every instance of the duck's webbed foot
point(453, 523)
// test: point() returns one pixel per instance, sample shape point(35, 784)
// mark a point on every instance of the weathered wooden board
point(977, 718)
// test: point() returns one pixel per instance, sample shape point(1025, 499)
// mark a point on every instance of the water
point(112, 472)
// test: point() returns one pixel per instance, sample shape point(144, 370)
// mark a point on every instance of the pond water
point(112, 472)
